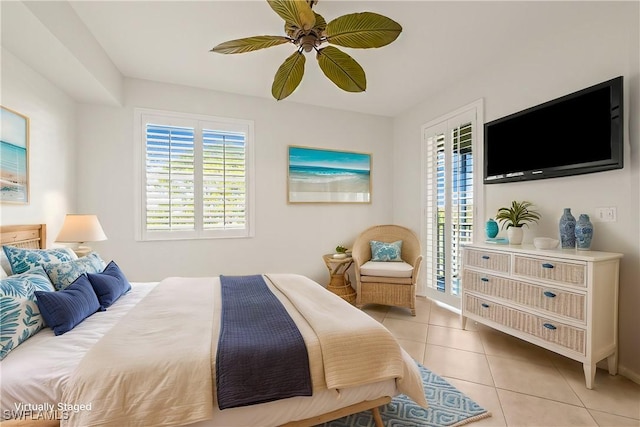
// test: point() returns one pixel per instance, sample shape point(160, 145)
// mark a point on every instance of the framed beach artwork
point(328, 176)
point(14, 157)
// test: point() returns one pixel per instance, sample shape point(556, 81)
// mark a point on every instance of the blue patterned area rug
point(448, 406)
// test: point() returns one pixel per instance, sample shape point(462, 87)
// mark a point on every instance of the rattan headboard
point(32, 236)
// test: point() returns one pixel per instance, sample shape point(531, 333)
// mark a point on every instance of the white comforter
point(61, 385)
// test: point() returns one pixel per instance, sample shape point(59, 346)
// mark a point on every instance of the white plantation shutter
point(224, 180)
point(434, 180)
point(461, 228)
point(170, 178)
point(196, 173)
point(449, 176)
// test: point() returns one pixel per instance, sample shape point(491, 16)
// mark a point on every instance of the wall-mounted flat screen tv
point(575, 134)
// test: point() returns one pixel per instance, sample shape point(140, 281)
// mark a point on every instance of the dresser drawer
point(488, 260)
point(566, 273)
point(555, 301)
point(545, 329)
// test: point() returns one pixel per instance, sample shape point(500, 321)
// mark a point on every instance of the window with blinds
point(196, 176)
point(448, 201)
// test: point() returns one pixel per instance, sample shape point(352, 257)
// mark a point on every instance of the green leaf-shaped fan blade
point(288, 76)
point(297, 12)
point(294, 32)
point(249, 44)
point(342, 69)
point(320, 24)
point(362, 30)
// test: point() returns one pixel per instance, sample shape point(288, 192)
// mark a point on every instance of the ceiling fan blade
point(294, 32)
point(296, 12)
point(342, 69)
point(250, 44)
point(320, 24)
point(288, 76)
point(362, 30)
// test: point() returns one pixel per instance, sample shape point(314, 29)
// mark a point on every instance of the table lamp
point(81, 229)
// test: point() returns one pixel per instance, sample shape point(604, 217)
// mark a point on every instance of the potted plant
point(341, 252)
point(341, 249)
point(516, 216)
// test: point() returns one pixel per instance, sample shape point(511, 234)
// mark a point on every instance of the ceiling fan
point(308, 30)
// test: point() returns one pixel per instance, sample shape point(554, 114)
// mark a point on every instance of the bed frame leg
point(376, 417)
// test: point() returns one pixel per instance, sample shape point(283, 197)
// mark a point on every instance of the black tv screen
point(575, 134)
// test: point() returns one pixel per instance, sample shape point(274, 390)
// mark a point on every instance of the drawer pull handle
point(549, 294)
point(546, 265)
point(485, 257)
point(549, 326)
point(485, 305)
point(484, 279)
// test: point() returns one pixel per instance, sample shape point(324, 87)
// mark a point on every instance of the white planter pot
point(515, 235)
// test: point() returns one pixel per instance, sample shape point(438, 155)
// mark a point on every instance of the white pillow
point(3, 273)
point(386, 269)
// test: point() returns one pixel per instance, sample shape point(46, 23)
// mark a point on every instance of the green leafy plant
point(307, 31)
point(517, 215)
point(341, 249)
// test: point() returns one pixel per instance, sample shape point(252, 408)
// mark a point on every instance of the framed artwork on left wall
point(14, 157)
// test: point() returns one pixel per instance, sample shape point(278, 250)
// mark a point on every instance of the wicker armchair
point(387, 283)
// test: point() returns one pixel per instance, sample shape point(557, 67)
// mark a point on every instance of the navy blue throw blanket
point(261, 354)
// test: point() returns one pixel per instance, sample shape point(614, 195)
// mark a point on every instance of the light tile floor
point(519, 383)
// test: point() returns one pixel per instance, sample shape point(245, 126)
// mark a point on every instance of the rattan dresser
point(561, 299)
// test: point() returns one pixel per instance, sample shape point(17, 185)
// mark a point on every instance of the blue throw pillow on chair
point(382, 251)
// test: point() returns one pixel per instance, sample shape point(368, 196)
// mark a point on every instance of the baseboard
point(628, 373)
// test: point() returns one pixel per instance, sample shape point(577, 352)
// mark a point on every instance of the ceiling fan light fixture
point(308, 30)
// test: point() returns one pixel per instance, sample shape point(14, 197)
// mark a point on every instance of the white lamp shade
point(81, 228)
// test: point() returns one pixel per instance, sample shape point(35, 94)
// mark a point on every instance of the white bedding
point(37, 371)
point(30, 375)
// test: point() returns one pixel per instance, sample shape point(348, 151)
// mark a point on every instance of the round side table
point(340, 283)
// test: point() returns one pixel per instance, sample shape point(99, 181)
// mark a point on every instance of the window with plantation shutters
point(449, 176)
point(195, 173)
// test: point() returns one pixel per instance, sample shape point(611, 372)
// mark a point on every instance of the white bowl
point(545, 242)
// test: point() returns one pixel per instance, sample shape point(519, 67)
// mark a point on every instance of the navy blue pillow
point(64, 310)
point(109, 285)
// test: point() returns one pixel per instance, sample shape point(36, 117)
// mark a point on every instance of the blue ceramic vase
point(567, 230)
point(584, 233)
point(491, 228)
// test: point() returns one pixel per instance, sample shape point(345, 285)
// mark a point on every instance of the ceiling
point(77, 43)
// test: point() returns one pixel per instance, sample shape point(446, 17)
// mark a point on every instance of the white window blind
point(224, 180)
point(448, 201)
point(461, 228)
point(433, 240)
point(195, 173)
point(170, 178)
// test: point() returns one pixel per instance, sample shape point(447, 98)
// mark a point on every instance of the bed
point(93, 375)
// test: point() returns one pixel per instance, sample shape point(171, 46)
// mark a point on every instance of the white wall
point(288, 237)
point(603, 44)
point(51, 146)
